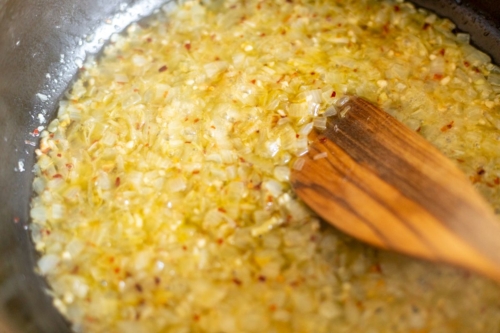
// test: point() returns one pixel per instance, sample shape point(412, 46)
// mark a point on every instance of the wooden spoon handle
point(384, 184)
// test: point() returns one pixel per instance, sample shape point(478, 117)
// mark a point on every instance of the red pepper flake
point(111, 259)
point(237, 282)
point(442, 52)
point(69, 166)
point(242, 160)
point(438, 77)
point(187, 46)
point(386, 28)
point(253, 81)
point(57, 175)
point(262, 34)
point(376, 268)
point(334, 93)
point(117, 181)
point(138, 287)
point(184, 247)
point(283, 32)
point(195, 172)
point(149, 39)
point(262, 278)
point(220, 241)
point(196, 317)
point(466, 63)
point(448, 126)
point(496, 181)
point(16, 219)
point(272, 307)
point(157, 280)
point(459, 160)
point(313, 73)
point(59, 155)
point(297, 135)
point(117, 270)
point(419, 129)
point(36, 131)
point(212, 127)
point(222, 210)
point(480, 171)
point(312, 238)
point(196, 120)
point(397, 8)
point(323, 139)
point(162, 68)
point(91, 319)
point(426, 26)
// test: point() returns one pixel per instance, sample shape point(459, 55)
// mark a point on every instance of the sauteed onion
point(162, 198)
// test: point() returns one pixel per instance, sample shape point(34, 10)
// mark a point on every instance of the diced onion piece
point(320, 156)
point(214, 68)
point(265, 227)
point(47, 263)
point(463, 38)
point(320, 123)
point(342, 101)
point(330, 111)
point(177, 184)
point(121, 78)
point(298, 164)
point(274, 187)
point(298, 110)
point(282, 173)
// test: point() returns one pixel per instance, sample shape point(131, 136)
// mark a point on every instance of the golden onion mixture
point(163, 201)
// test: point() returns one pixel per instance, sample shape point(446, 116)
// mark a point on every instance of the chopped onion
point(320, 156)
point(282, 173)
point(121, 78)
point(463, 38)
point(177, 184)
point(320, 123)
point(298, 164)
point(47, 263)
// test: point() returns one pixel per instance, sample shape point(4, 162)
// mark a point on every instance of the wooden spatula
point(384, 184)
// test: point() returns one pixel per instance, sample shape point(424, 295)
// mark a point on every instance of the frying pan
point(42, 43)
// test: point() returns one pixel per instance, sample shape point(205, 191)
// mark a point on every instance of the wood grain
point(384, 184)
